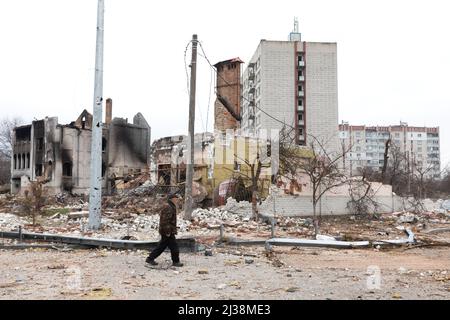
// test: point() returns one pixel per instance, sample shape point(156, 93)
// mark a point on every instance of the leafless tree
point(361, 195)
point(6, 131)
point(255, 164)
point(316, 162)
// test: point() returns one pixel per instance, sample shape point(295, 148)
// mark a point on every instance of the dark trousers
point(165, 242)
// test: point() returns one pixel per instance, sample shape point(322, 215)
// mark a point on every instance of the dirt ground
point(231, 273)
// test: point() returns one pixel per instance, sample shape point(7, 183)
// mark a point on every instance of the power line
point(209, 98)
point(185, 66)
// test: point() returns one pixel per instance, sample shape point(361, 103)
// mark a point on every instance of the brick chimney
point(227, 107)
point(108, 116)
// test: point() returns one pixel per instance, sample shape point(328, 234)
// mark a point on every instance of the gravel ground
point(419, 273)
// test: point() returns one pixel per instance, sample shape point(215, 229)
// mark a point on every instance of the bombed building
point(60, 155)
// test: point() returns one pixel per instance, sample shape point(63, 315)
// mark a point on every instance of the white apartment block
point(295, 82)
point(419, 146)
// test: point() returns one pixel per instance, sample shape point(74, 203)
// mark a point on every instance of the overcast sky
point(393, 56)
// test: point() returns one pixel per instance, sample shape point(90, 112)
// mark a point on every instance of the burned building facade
point(59, 154)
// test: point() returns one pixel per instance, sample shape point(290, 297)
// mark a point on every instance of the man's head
point(174, 198)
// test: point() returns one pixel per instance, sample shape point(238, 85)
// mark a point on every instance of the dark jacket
point(168, 220)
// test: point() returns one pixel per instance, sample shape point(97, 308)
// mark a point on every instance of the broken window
point(67, 169)
point(103, 169)
point(104, 144)
point(40, 144)
point(237, 166)
point(38, 170)
point(83, 122)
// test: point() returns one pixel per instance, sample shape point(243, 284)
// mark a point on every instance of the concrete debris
point(326, 238)
point(407, 218)
point(221, 286)
point(446, 205)
point(249, 261)
point(242, 208)
point(75, 215)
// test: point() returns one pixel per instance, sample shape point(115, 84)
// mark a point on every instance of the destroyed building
point(60, 154)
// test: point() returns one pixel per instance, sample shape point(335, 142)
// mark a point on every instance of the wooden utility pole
point(95, 193)
point(188, 202)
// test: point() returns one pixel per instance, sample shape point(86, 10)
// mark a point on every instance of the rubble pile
point(134, 203)
point(10, 221)
point(242, 208)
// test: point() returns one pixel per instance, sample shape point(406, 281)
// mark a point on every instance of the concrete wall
point(301, 205)
point(128, 148)
point(277, 84)
point(321, 96)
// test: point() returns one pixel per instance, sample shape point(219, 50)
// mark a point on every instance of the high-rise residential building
point(419, 147)
point(293, 83)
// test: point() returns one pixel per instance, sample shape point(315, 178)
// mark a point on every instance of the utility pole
point(188, 203)
point(95, 194)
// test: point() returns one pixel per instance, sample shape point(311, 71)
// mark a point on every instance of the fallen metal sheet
point(318, 243)
point(31, 246)
point(240, 242)
point(185, 244)
point(409, 240)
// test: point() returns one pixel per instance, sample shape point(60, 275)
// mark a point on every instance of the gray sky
point(393, 56)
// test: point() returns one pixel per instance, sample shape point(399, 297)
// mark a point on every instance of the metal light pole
point(95, 194)
point(188, 203)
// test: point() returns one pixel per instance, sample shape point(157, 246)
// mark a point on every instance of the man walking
point(167, 230)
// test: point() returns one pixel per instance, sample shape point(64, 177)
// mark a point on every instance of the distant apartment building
point(419, 146)
point(294, 83)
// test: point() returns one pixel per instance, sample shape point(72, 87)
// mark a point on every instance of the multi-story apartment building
point(294, 83)
point(418, 145)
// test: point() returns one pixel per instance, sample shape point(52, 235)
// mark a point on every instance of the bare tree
point(316, 162)
point(361, 195)
point(6, 131)
point(34, 199)
point(255, 164)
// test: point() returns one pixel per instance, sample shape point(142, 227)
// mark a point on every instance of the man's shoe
point(151, 262)
point(177, 264)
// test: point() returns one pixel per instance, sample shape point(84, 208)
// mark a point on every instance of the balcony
point(300, 108)
point(301, 63)
point(251, 74)
point(301, 93)
point(301, 78)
